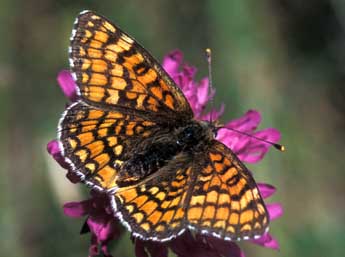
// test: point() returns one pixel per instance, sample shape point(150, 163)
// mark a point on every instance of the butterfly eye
point(189, 133)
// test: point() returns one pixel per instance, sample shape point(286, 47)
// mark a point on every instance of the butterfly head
point(194, 133)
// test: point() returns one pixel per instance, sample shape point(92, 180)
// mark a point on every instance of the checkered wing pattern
point(96, 142)
point(153, 210)
point(113, 70)
point(225, 200)
point(128, 103)
point(212, 193)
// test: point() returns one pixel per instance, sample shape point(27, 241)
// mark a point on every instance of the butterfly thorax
point(191, 135)
point(147, 159)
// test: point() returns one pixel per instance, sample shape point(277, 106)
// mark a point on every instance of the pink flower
point(101, 222)
point(197, 93)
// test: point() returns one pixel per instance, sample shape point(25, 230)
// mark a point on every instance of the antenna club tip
point(280, 147)
point(208, 51)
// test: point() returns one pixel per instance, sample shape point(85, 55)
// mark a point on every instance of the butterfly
point(132, 135)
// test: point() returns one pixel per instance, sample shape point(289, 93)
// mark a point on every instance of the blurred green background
point(285, 58)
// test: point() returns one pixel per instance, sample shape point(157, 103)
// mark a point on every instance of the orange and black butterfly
point(132, 135)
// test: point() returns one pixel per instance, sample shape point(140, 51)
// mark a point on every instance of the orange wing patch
point(219, 198)
point(225, 200)
point(95, 141)
point(111, 68)
point(154, 209)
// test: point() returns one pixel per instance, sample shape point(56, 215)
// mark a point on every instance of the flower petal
point(266, 190)
point(269, 134)
point(247, 123)
point(101, 223)
point(172, 61)
point(215, 115)
point(249, 149)
point(189, 72)
point(203, 92)
point(67, 85)
point(53, 149)
point(275, 210)
point(237, 141)
point(104, 227)
point(105, 251)
point(267, 241)
point(255, 149)
point(93, 249)
point(77, 209)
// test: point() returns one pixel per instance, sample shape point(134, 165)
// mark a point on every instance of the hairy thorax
point(149, 157)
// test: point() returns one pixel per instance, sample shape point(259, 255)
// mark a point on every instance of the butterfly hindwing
point(225, 200)
point(153, 209)
point(210, 193)
point(111, 69)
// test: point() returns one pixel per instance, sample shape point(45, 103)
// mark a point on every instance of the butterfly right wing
point(224, 200)
point(210, 192)
point(95, 142)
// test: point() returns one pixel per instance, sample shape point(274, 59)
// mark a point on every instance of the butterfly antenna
point(275, 145)
point(209, 62)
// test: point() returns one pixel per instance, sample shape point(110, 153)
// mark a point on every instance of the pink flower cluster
point(100, 220)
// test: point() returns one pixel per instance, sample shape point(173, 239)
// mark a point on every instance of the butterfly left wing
point(153, 209)
point(97, 142)
point(211, 193)
point(113, 71)
point(125, 97)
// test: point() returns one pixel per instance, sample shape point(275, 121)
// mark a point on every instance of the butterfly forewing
point(113, 70)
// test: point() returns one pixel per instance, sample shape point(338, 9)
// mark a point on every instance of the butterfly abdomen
point(158, 154)
point(145, 163)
